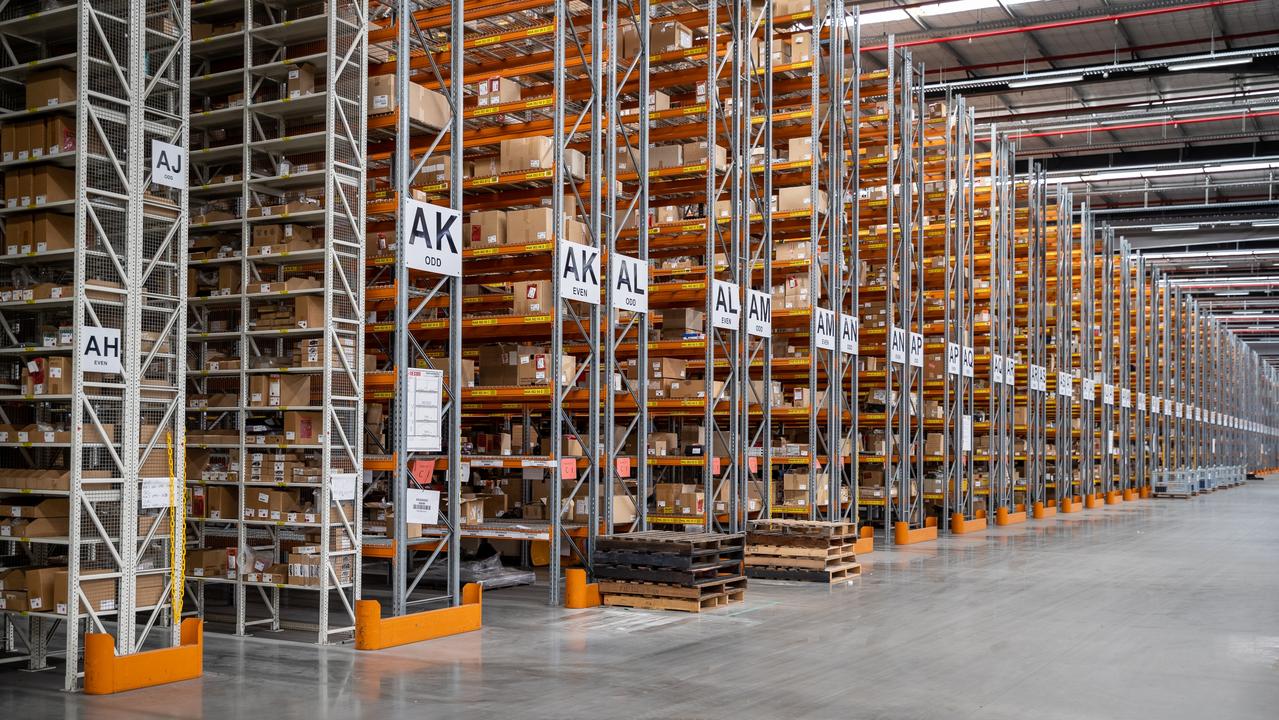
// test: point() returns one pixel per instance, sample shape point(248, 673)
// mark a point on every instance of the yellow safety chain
point(177, 537)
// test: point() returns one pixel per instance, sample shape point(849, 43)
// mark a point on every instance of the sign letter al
point(629, 283)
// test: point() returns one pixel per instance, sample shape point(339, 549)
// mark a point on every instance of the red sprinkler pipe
point(1059, 24)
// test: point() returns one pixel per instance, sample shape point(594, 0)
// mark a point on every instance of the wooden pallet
point(803, 528)
point(692, 576)
point(830, 575)
point(667, 541)
point(806, 563)
point(801, 550)
point(657, 596)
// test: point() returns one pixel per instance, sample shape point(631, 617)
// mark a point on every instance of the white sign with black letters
point(970, 362)
point(629, 283)
point(423, 506)
point(1064, 384)
point(848, 334)
point(100, 350)
point(953, 360)
point(168, 165)
point(759, 313)
point(917, 349)
point(997, 369)
point(579, 269)
point(726, 305)
point(432, 238)
point(425, 408)
point(825, 322)
point(897, 345)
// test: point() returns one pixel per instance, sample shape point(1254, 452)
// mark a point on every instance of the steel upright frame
point(958, 496)
point(131, 85)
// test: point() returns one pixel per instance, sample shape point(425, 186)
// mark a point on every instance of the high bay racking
point(845, 302)
point(276, 325)
point(95, 219)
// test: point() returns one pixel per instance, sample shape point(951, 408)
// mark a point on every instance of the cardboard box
point(661, 157)
point(303, 427)
point(59, 135)
point(488, 227)
point(496, 91)
point(50, 87)
point(792, 199)
point(8, 141)
point(301, 80)
point(532, 297)
point(800, 148)
point(668, 36)
point(533, 225)
point(52, 231)
point(279, 390)
point(50, 184)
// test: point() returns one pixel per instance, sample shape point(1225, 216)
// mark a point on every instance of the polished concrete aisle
point(1155, 609)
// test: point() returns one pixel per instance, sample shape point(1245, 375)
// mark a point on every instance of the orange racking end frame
point(374, 632)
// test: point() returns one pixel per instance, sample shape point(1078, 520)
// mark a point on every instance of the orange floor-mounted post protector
point(106, 673)
point(866, 541)
point(904, 535)
point(1145, 492)
point(1093, 501)
point(1043, 510)
point(579, 594)
point(1070, 504)
point(1003, 516)
point(1130, 495)
point(960, 525)
point(1113, 497)
point(374, 632)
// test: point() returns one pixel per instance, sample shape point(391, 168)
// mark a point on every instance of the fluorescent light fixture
point(1265, 223)
point(1232, 293)
point(1201, 64)
point(1113, 175)
point(1239, 167)
point(942, 7)
point(1211, 266)
point(1247, 312)
point(1052, 80)
point(1173, 228)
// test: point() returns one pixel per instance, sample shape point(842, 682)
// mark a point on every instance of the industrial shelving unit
point(277, 345)
point(1061, 378)
point(93, 323)
point(415, 386)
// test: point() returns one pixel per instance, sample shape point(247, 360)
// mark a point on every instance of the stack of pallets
point(661, 570)
point(804, 550)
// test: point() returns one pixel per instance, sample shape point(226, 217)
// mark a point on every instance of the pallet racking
point(95, 244)
point(277, 345)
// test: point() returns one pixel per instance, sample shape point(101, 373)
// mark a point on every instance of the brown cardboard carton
point(301, 80)
point(668, 36)
point(52, 231)
point(59, 135)
point(8, 142)
point(27, 506)
point(791, 199)
point(303, 427)
point(532, 297)
point(488, 227)
point(50, 184)
point(50, 87)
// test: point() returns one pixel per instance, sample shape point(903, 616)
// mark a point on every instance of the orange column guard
point(374, 632)
point(578, 593)
point(106, 673)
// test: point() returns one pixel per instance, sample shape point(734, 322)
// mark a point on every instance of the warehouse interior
point(880, 358)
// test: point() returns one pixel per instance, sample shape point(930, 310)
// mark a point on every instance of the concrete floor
point(1156, 609)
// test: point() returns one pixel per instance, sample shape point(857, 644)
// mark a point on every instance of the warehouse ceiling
point(1162, 115)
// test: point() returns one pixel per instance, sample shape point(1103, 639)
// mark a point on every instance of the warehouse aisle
point(1154, 609)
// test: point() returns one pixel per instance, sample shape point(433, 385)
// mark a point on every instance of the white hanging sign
point(425, 407)
point(897, 345)
point(1010, 370)
point(168, 165)
point(1087, 389)
point(1141, 401)
point(968, 433)
point(726, 305)
point(628, 281)
point(579, 270)
point(423, 506)
point(917, 349)
point(825, 324)
point(954, 361)
point(1154, 404)
point(1064, 384)
point(342, 486)
point(1125, 397)
point(155, 493)
point(100, 350)
point(759, 313)
point(997, 369)
point(432, 238)
point(1107, 394)
point(970, 362)
point(848, 334)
